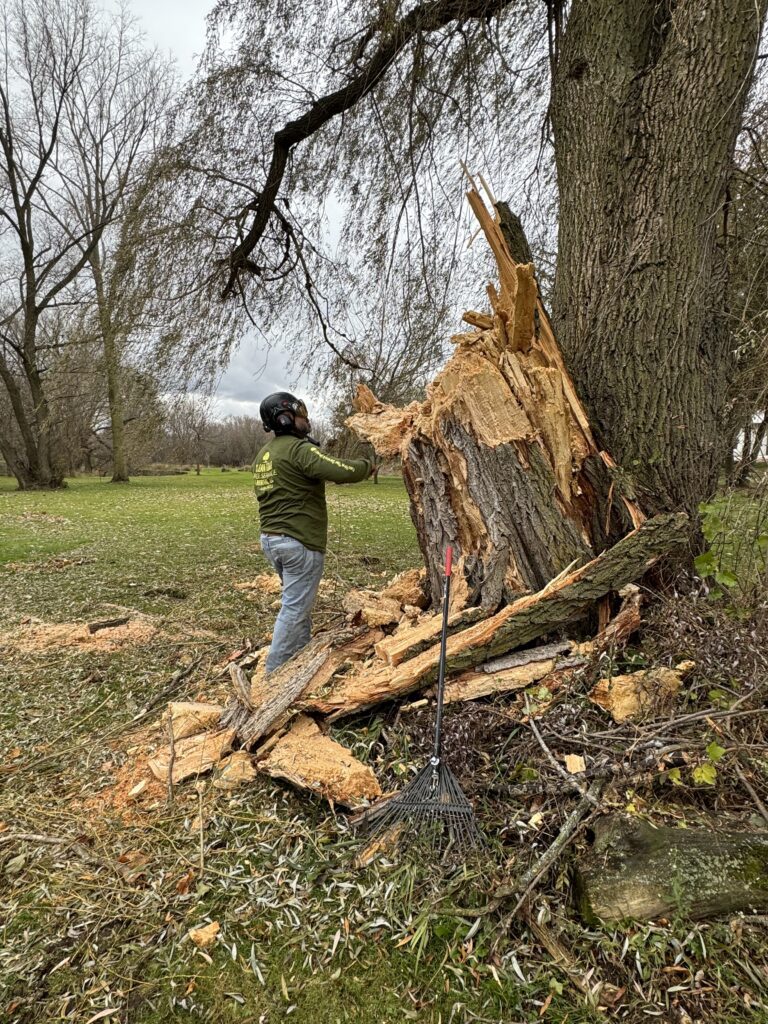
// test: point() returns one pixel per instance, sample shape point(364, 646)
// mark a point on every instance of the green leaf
point(719, 697)
point(726, 579)
point(674, 777)
point(556, 986)
point(705, 774)
point(762, 543)
point(715, 752)
point(705, 564)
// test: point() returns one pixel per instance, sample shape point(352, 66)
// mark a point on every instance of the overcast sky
point(177, 27)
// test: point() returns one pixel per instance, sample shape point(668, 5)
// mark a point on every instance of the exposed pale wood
point(408, 588)
point(520, 623)
point(473, 685)
point(372, 607)
point(639, 694)
point(637, 871)
point(309, 760)
point(500, 460)
point(242, 685)
point(408, 641)
point(626, 622)
point(191, 717)
point(234, 771)
point(475, 319)
point(195, 755)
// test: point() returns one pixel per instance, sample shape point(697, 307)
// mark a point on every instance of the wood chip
point(192, 756)
point(234, 771)
point(639, 694)
point(309, 760)
point(205, 936)
point(188, 718)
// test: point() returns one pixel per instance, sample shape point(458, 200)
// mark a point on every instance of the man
point(289, 476)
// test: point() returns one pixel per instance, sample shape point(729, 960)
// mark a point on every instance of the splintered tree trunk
point(648, 97)
point(636, 871)
point(500, 460)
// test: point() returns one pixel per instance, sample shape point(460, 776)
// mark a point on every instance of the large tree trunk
point(34, 465)
point(500, 461)
point(112, 369)
point(647, 100)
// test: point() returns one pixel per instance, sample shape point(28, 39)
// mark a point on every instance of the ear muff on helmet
point(279, 411)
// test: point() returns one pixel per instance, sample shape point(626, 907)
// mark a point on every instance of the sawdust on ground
point(116, 799)
point(43, 636)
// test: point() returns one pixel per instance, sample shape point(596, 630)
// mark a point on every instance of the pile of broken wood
point(388, 650)
point(501, 463)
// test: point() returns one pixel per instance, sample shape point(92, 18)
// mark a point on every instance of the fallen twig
point(525, 885)
point(572, 782)
point(94, 627)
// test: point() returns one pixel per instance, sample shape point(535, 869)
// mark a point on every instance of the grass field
point(303, 936)
point(94, 911)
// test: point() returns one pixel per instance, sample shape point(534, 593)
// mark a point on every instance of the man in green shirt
point(289, 477)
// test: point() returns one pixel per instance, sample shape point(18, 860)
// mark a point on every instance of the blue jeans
point(300, 571)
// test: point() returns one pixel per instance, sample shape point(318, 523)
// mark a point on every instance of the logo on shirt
point(264, 475)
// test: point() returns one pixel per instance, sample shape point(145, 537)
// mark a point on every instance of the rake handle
point(441, 670)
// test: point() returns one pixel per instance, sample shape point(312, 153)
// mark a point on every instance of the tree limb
point(427, 17)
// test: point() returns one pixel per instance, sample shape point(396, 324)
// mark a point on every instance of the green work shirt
point(289, 477)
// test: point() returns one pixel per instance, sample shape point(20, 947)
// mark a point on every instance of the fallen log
point(525, 620)
point(269, 701)
point(408, 641)
point(636, 871)
point(473, 685)
point(308, 759)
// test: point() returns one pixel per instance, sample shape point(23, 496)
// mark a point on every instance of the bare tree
point(189, 428)
point(117, 114)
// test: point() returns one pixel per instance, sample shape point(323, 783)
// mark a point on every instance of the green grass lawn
point(305, 937)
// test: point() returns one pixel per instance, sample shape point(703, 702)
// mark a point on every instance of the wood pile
point(282, 721)
point(499, 461)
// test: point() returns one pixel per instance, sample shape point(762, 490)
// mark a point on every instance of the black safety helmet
point(279, 411)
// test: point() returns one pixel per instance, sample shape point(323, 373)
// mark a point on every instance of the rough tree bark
point(637, 871)
point(647, 100)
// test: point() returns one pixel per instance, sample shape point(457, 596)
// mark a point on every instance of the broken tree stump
point(500, 460)
point(636, 871)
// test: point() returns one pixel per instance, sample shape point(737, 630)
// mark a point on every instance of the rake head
point(432, 807)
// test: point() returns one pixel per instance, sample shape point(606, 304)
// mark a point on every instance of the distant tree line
point(100, 312)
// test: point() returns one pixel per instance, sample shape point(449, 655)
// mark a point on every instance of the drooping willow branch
point(427, 17)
